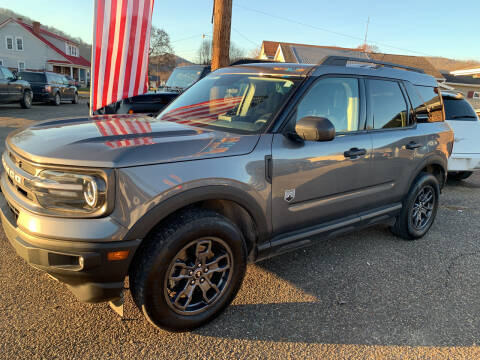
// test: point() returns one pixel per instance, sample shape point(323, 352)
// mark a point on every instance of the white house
point(32, 48)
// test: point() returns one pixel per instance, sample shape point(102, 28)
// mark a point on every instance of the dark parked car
point(50, 87)
point(251, 161)
point(13, 89)
point(153, 102)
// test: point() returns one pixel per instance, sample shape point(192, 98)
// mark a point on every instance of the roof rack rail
point(342, 61)
point(249, 61)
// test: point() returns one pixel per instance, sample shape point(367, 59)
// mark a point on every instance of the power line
point(243, 36)
point(190, 37)
point(327, 30)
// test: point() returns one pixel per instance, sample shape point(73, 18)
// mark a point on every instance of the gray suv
point(252, 161)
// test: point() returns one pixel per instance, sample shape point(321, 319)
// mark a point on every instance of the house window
point(9, 42)
point(21, 66)
point(19, 42)
point(72, 50)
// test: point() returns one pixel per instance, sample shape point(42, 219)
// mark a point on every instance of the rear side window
point(387, 103)
point(433, 102)
point(32, 77)
point(459, 109)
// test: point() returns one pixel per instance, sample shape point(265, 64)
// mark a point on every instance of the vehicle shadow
point(365, 288)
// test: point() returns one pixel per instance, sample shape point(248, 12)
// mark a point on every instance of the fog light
point(118, 255)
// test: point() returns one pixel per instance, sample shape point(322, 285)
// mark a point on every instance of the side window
point(336, 99)
point(388, 105)
point(1, 74)
point(7, 73)
point(433, 102)
point(419, 107)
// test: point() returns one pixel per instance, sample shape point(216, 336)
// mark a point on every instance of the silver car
point(252, 161)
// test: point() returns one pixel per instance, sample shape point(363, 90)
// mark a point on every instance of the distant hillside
point(450, 64)
point(85, 49)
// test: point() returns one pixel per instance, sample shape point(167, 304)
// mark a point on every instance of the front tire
point(188, 270)
point(75, 99)
point(57, 100)
point(26, 101)
point(419, 208)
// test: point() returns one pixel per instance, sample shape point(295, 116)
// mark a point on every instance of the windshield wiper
point(464, 117)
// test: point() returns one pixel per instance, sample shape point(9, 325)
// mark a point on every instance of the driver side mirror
point(314, 128)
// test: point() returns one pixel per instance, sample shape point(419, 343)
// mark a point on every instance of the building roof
point(406, 60)
point(72, 60)
point(313, 54)
point(466, 80)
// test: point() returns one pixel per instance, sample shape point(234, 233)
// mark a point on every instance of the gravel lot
point(361, 296)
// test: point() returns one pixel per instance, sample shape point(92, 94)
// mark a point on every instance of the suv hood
point(123, 140)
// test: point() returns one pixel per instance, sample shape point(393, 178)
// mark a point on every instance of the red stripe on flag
point(131, 47)
point(141, 52)
point(118, 61)
point(98, 46)
point(109, 49)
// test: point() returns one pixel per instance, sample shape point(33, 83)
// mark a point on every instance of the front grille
point(16, 180)
point(14, 212)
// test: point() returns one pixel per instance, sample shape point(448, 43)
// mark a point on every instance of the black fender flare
point(435, 159)
point(211, 192)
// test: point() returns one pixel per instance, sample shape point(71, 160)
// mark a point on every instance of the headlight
point(70, 192)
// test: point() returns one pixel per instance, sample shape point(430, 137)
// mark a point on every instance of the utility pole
point(222, 20)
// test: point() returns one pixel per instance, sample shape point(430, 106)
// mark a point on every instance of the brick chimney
point(36, 27)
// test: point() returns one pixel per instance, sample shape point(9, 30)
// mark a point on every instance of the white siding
point(35, 53)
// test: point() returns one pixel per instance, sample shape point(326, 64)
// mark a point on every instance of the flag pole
point(92, 58)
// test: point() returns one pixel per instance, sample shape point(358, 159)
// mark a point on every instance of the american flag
point(121, 42)
point(127, 132)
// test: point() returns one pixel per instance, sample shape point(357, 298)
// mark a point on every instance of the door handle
point(412, 145)
point(354, 153)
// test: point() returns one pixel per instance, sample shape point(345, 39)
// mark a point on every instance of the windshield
point(233, 102)
point(183, 77)
point(459, 109)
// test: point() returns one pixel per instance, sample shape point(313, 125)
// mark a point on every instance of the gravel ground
point(366, 295)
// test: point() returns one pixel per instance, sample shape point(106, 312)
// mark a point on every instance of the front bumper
point(464, 162)
point(82, 265)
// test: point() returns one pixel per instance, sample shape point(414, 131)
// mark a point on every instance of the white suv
point(465, 124)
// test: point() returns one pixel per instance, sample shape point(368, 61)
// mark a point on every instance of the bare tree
point(368, 48)
point(255, 53)
point(159, 42)
point(205, 52)
point(236, 53)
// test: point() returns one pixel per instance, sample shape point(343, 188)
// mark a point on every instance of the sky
point(411, 27)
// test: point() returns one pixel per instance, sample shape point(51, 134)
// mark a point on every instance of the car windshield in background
point(233, 102)
point(459, 109)
point(183, 77)
point(32, 77)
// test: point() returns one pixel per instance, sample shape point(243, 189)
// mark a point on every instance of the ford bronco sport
point(252, 161)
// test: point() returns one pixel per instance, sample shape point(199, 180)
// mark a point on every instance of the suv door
point(4, 96)
point(315, 182)
point(398, 145)
point(68, 89)
point(14, 89)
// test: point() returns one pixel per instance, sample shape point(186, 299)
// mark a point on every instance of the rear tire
point(188, 270)
point(459, 175)
point(419, 208)
point(26, 101)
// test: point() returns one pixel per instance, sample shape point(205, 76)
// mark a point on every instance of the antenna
point(366, 34)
